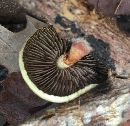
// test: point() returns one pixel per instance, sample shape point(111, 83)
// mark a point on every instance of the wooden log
point(108, 108)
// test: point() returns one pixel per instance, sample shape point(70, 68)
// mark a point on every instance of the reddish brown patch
point(125, 123)
point(77, 51)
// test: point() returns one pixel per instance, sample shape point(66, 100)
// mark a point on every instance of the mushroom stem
point(77, 51)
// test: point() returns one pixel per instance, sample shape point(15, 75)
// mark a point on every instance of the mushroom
point(12, 15)
point(57, 70)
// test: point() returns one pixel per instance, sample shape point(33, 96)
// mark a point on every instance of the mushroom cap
point(38, 61)
point(11, 12)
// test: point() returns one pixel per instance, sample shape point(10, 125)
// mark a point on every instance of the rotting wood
point(108, 109)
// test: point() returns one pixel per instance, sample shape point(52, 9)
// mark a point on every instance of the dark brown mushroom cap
point(39, 66)
point(11, 12)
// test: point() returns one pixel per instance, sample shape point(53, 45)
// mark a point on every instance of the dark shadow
point(101, 49)
point(65, 23)
point(123, 23)
point(101, 53)
point(12, 15)
point(3, 72)
point(14, 27)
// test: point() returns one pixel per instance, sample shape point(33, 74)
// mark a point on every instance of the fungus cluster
point(56, 71)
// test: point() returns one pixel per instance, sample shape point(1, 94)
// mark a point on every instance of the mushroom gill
point(59, 71)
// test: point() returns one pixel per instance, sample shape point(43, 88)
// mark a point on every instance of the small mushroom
point(59, 71)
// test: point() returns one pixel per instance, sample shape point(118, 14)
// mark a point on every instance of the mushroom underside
point(39, 58)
